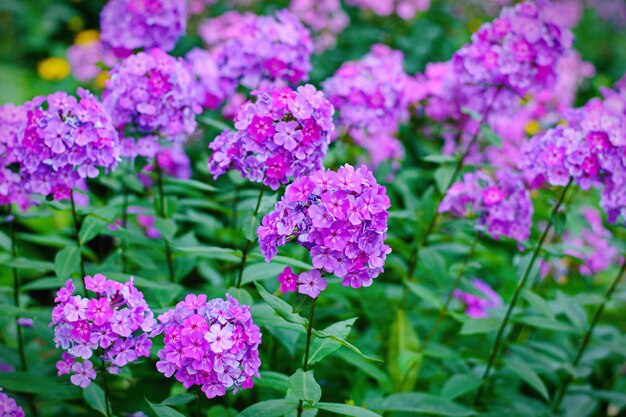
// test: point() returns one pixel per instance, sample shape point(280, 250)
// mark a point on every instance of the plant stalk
point(305, 363)
point(105, 387)
point(163, 215)
point(246, 248)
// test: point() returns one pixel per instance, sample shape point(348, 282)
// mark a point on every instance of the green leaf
point(490, 136)
point(529, 376)
point(67, 261)
point(478, 326)
point(538, 303)
point(414, 402)
point(37, 384)
point(423, 293)
point(404, 356)
point(282, 308)
point(346, 410)
point(90, 228)
point(367, 367)
point(320, 348)
point(270, 408)
point(440, 159)
point(94, 396)
point(322, 335)
point(305, 387)
point(216, 123)
point(572, 310)
point(180, 399)
point(165, 411)
point(210, 252)
point(261, 272)
point(543, 323)
point(249, 225)
point(443, 176)
point(190, 184)
point(302, 302)
point(274, 380)
point(458, 385)
point(5, 242)
point(284, 260)
point(24, 263)
point(167, 228)
point(559, 220)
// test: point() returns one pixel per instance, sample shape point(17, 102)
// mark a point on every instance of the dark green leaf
point(529, 376)
point(478, 326)
point(305, 387)
point(282, 308)
point(458, 385)
point(66, 262)
point(346, 410)
point(94, 396)
point(270, 408)
point(320, 348)
point(414, 402)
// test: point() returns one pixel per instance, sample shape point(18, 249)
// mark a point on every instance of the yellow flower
point(87, 36)
point(53, 68)
point(101, 79)
point(532, 127)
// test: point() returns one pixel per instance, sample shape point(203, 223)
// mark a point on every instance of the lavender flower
point(341, 218)
point(212, 344)
point(8, 406)
point(475, 306)
point(114, 325)
point(66, 140)
point(13, 188)
point(85, 59)
point(325, 18)
point(405, 9)
point(282, 134)
point(128, 25)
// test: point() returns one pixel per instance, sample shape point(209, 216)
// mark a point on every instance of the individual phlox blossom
point(85, 59)
point(369, 96)
point(326, 19)
point(128, 25)
point(213, 344)
point(211, 88)
point(405, 9)
point(478, 306)
point(282, 134)
point(152, 93)
point(502, 206)
point(114, 325)
point(341, 218)
point(66, 139)
point(173, 162)
point(260, 51)
point(13, 188)
point(8, 406)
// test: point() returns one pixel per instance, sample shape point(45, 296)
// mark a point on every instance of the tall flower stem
point(443, 311)
point(77, 235)
point(493, 354)
point(558, 398)
point(16, 291)
point(163, 215)
point(124, 225)
point(105, 388)
point(305, 363)
point(246, 248)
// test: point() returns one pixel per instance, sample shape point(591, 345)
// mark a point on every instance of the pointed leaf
point(270, 408)
point(66, 262)
point(320, 348)
point(282, 308)
point(346, 410)
point(94, 396)
point(305, 387)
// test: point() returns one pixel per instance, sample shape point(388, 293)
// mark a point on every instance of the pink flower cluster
point(326, 19)
point(341, 218)
point(65, 140)
point(405, 9)
point(590, 149)
point(282, 134)
point(475, 306)
point(259, 51)
point(12, 187)
point(8, 406)
point(128, 25)
point(85, 59)
point(151, 93)
point(211, 89)
point(502, 207)
point(115, 324)
point(213, 344)
point(369, 96)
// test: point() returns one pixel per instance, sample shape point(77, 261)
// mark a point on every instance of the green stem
point(587, 337)
point(105, 387)
point(443, 311)
point(16, 292)
point(518, 289)
point(305, 363)
point(246, 248)
point(163, 215)
point(124, 225)
point(78, 243)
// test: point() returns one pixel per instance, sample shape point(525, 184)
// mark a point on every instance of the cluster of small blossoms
point(282, 134)
point(12, 187)
point(405, 9)
point(213, 344)
point(8, 406)
point(65, 140)
point(85, 59)
point(259, 51)
point(326, 19)
point(514, 55)
point(173, 162)
point(369, 96)
point(341, 218)
point(211, 88)
point(152, 93)
point(128, 25)
point(475, 306)
point(502, 207)
point(115, 325)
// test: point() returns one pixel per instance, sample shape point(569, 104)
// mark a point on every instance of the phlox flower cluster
point(173, 162)
point(326, 19)
point(502, 207)
point(85, 59)
point(66, 139)
point(282, 134)
point(8, 406)
point(478, 306)
point(114, 325)
point(128, 25)
point(369, 96)
point(341, 218)
point(210, 87)
point(213, 344)
point(151, 93)
point(259, 51)
point(405, 9)
point(12, 187)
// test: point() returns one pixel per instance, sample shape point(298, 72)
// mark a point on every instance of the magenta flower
point(8, 406)
point(211, 344)
point(287, 280)
point(283, 134)
point(341, 218)
point(113, 325)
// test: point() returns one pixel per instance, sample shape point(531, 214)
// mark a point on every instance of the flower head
point(8, 406)
point(478, 306)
